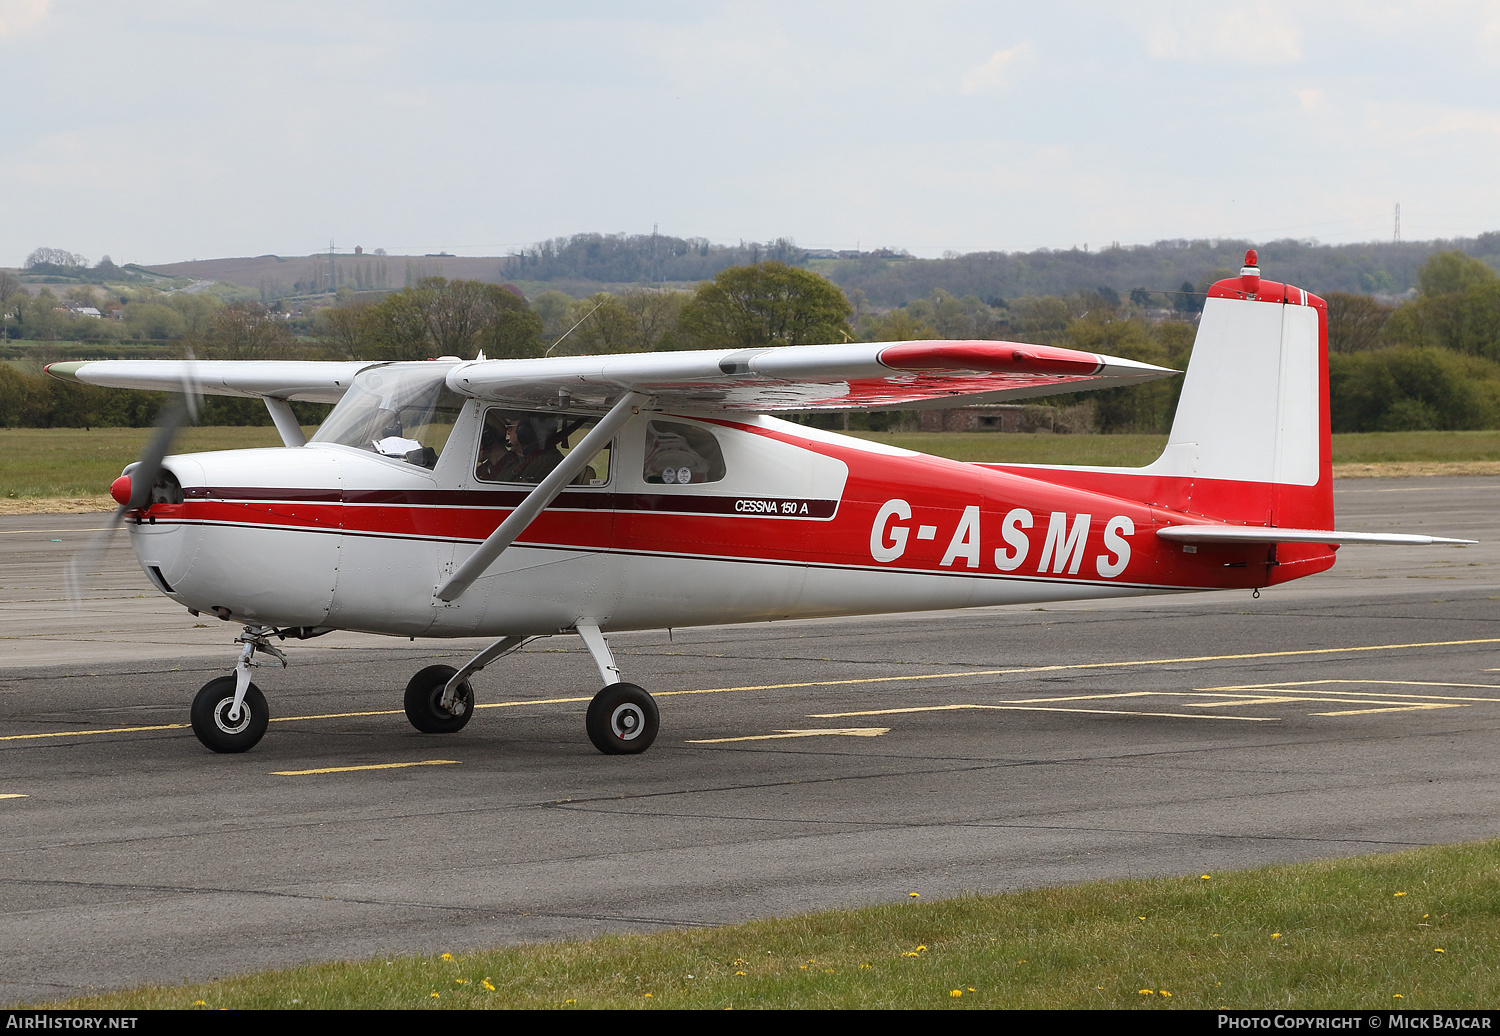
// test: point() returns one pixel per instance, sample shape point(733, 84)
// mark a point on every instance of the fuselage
point(794, 522)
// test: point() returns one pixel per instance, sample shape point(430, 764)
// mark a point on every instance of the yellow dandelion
point(804, 967)
point(1438, 949)
point(1276, 935)
point(486, 984)
point(1398, 895)
point(433, 995)
point(645, 994)
point(910, 954)
point(864, 967)
point(1147, 992)
point(1216, 935)
point(955, 992)
point(1165, 993)
point(447, 956)
point(921, 948)
point(971, 989)
point(739, 972)
point(1397, 996)
point(1140, 917)
point(1205, 877)
point(462, 981)
point(200, 1003)
point(914, 895)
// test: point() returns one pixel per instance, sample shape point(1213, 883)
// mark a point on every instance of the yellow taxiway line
point(371, 766)
point(841, 731)
point(1039, 708)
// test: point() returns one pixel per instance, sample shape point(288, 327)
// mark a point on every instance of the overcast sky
point(160, 130)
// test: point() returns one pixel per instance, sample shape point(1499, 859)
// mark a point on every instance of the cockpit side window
point(680, 454)
point(524, 446)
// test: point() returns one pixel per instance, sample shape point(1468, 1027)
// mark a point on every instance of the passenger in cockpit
point(497, 461)
point(538, 454)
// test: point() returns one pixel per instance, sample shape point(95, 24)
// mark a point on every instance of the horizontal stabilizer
point(1262, 534)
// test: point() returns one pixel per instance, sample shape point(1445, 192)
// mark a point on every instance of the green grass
point(1135, 450)
point(1387, 447)
point(74, 462)
point(1423, 924)
point(1028, 447)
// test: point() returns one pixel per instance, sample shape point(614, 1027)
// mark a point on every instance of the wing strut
point(527, 510)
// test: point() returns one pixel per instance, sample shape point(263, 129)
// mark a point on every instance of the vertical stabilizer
point(1251, 430)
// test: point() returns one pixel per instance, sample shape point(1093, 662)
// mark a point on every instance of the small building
point(1012, 417)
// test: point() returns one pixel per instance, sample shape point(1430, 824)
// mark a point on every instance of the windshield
point(401, 411)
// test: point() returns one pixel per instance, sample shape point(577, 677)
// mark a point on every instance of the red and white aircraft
point(587, 494)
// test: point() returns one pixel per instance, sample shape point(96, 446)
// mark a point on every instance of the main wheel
point(424, 695)
point(211, 720)
point(622, 719)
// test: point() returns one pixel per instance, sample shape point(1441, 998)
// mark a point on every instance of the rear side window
point(677, 454)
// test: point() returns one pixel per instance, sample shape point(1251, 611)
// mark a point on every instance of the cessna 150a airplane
point(514, 499)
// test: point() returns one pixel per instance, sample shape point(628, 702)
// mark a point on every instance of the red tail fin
point(1250, 442)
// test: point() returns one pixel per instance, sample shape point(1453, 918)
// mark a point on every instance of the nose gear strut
point(254, 639)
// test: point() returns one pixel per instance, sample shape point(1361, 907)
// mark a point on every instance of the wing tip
point(65, 370)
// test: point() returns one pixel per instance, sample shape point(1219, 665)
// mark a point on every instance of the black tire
point(425, 691)
point(622, 720)
point(214, 728)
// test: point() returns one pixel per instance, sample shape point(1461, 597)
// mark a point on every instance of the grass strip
point(1417, 929)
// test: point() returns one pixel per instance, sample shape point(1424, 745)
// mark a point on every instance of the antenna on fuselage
point(570, 330)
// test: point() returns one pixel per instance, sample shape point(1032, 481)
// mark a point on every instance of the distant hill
point(586, 263)
point(1372, 268)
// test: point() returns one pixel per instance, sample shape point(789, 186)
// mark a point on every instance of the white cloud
point(16, 15)
point(1312, 98)
point(1263, 35)
point(997, 72)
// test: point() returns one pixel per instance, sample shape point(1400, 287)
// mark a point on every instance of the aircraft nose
point(120, 490)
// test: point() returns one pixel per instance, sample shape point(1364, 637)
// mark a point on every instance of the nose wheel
point(220, 726)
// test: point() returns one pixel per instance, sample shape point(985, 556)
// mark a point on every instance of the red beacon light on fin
point(1250, 273)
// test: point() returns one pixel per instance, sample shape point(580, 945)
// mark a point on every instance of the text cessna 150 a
point(514, 499)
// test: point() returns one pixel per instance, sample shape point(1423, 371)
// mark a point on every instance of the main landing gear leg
point(439, 699)
point(229, 713)
point(622, 719)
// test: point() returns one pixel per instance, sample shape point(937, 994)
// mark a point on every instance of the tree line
point(1432, 362)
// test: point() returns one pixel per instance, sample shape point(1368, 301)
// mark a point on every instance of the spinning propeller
point(132, 490)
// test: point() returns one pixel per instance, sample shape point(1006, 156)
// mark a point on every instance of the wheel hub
point(627, 721)
point(223, 721)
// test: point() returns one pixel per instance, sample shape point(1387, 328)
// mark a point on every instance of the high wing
point(856, 376)
point(313, 381)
